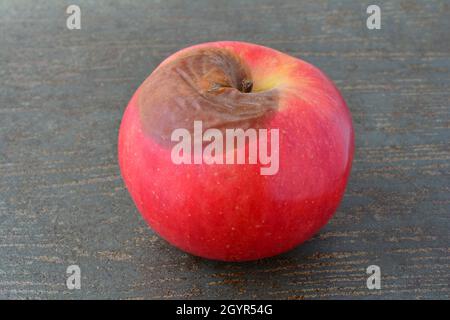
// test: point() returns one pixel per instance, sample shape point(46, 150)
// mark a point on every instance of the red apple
point(226, 211)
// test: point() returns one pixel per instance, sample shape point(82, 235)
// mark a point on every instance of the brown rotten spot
point(210, 85)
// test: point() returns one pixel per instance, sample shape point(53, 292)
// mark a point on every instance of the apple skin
point(232, 212)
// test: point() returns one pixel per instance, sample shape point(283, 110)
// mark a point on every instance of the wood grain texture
point(62, 200)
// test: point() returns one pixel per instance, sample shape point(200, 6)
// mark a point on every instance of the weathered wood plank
point(62, 201)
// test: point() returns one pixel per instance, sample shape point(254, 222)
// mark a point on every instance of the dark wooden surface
point(62, 200)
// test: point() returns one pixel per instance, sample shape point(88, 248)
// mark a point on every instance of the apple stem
point(247, 85)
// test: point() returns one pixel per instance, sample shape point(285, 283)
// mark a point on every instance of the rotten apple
point(234, 151)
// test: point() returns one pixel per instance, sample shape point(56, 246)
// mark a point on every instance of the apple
point(232, 210)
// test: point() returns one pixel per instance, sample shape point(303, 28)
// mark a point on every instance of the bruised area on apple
point(207, 84)
point(232, 212)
